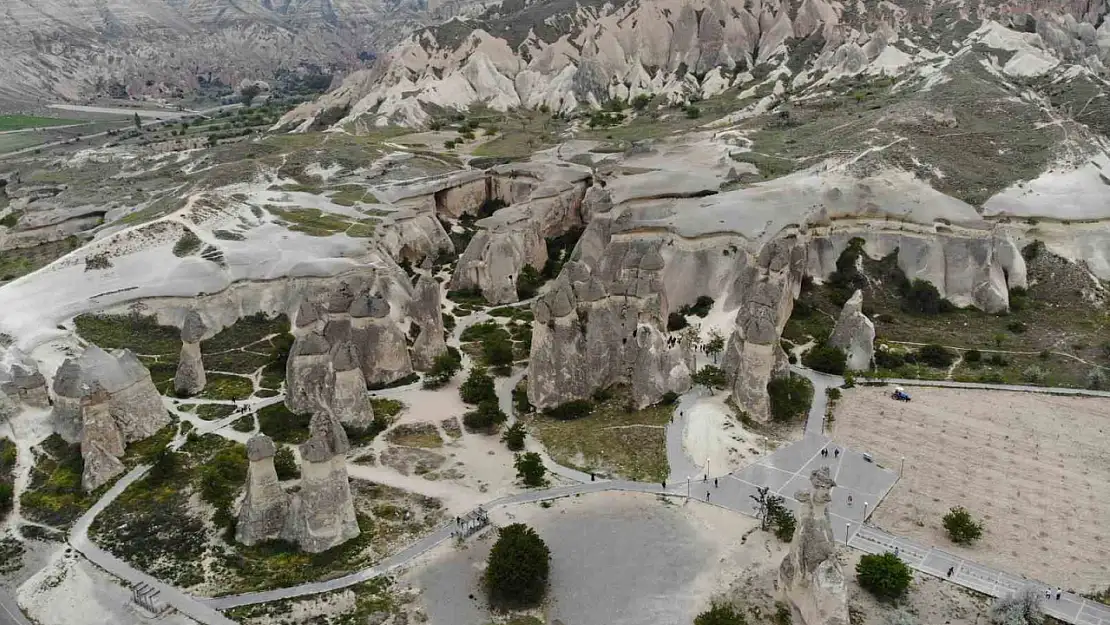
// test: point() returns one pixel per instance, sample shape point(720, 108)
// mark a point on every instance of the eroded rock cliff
point(855, 334)
point(812, 578)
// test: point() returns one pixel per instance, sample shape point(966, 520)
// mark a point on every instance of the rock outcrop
point(343, 347)
point(116, 392)
point(603, 326)
point(753, 355)
point(265, 507)
point(190, 378)
point(426, 312)
point(322, 513)
point(23, 382)
point(855, 334)
point(811, 578)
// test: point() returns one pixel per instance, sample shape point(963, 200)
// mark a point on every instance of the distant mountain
point(76, 49)
point(564, 54)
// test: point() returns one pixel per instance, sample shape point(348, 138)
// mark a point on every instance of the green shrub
point(485, 418)
point(936, 356)
point(789, 396)
point(514, 437)
point(187, 245)
point(883, 575)
point(444, 367)
point(669, 398)
point(1017, 327)
point(285, 464)
point(711, 376)
point(973, 355)
point(832, 393)
point(692, 112)
point(520, 400)
point(478, 387)
point(922, 298)
point(961, 528)
point(528, 283)
point(826, 358)
point(530, 469)
point(721, 614)
point(676, 321)
point(518, 568)
point(574, 409)
point(497, 350)
point(283, 425)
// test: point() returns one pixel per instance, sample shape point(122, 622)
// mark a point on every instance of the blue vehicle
point(900, 394)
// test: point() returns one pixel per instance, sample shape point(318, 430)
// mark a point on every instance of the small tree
point(923, 298)
point(1022, 608)
point(444, 367)
point(285, 464)
point(514, 437)
point(937, 356)
point(789, 397)
point(714, 344)
point(248, 93)
point(518, 568)
point(478, 387)
point(164, 466)
point(720, 614)
point(961, 528)
point(485, 418)
point(528, 282)
point(530, 469)
point(711, 377)
point(497, 349)
point(883, 575)
point(138, 122)
point(826, 358)
point(782, 519)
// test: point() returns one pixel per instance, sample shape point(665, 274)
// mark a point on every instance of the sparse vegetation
point(187, 245)
point(883, 575)
point(721, 613)
point(961, 527)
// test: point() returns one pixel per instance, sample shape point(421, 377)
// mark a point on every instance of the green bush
point(444, 367)
point(574, 409)
point(518, 568)
point(285, 464)
point(826, 358)
point(1017, 327)
point(790, 397)
point(922, 298)
point(676, 321)
point(187, 245)
point(973, 355)
point(936, 356)
point(961, 528)
point(283, 425)
point(721, 614)
point(883, 575)
point(528, 283)
point(710, 376)
point(530, 469)
point(497, 350)
point(520, 400)
point(478, 387)
point(222, 477)
point(832, 393)
point(485, 418)
point(514, 437)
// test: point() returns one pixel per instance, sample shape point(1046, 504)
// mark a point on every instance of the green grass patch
point(283, 425)
point(139, 333)
point(146, 450)
point(54, 496)
point(385, 407)
point(20, 122)
point(246, 424)
point(238, 361)
point(8, 455)
point(187, 245)
point(246, 331)
point(214, 412)
point(423, 435)
point(611, 440)
point(350, 194)
point(227, 387)
point(316, 223)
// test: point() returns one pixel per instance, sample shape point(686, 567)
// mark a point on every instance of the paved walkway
point(785, 471)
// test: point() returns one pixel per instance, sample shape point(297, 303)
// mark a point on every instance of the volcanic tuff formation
point(317, 517)
point(426, 312)
point(22, 381)
point(855, 334)
point(105, 401)
point(190, 378)
point(561, 57)
point(343, 347)
point(812, 579)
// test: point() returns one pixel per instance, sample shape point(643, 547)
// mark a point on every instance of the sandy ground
point(72, 591)
point(617, 559)
point(930, 600)
point(713, 435)
point(1034, 468)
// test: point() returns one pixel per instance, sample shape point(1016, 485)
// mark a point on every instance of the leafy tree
point(1023, 608)
point(478, 387)
point(514, 437)
point(883, 575)
point(573, 409)
point(826, 358)
point(720, 614)
point(138, 122)
point(518, 568)
point(164, 466)
point(528, 282)
point(486, 417)
point(285, 464)
point(973, 355)
point(676, 321)
point(714, 344)
point(711, 377)
point(248, 93)
point(6, 496)
point(641, 101)
point(961, 528)
point(1096, 379)
point(922, 298)
point(693, 112)
point(774, 515)
point(937, 356)
point(789, 397)
point(497, 349)
point(520, 400)
point(444, 367)
point(530, 469)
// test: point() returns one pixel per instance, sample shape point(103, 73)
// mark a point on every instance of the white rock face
point(322, 513)
point(855, 334)
point(426, 312)
point(190, 378)
point(265, 506)
point(114, 389)
point(811, 577)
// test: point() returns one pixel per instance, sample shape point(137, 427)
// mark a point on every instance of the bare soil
point(1032, 467)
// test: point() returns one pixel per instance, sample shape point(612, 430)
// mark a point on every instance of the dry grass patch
point(423, 435)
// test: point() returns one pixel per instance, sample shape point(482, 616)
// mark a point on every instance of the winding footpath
point(783, 471)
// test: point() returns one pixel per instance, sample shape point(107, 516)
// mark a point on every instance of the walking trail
point(786, 471)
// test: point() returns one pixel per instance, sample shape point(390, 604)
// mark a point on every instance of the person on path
point(707, 495)
point(836, 453)
point(664, 484)
point(1058, 593)
point(849, 501)
point(1047, 593)
point(714, 482)
point(951, 570)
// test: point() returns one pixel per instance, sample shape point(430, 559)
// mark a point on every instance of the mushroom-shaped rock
point(264, 512)
point(322, 514)
point(855, 334)
point(425, 311)
point(810, 575)
point(193, 328)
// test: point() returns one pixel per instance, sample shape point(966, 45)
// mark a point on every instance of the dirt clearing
point(1033, 467)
